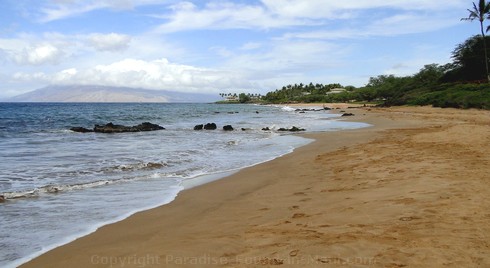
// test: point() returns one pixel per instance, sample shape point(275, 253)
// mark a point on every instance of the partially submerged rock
point(112, 128)
point(347, 114)
point(293, 129)
point(210, 126)
point(308, 110)
point(228, 128)
point(147, 126)
point(81, 129)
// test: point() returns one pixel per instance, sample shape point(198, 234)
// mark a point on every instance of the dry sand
point(412, 191)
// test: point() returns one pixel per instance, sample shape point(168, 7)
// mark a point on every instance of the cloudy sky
point(222, 45)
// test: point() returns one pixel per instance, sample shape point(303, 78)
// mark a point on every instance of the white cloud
point(283, 59)
point(390, 26)
point(157, 74)
point(55, 48)
point(57, 12)
point(250, 46)
point(109, 42)
point(61, 9)
point(38, 55)
point(278, 40)
point(223, 15)
point(339, 9)
point(287, 13)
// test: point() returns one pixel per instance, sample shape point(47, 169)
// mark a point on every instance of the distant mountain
point(108, 94)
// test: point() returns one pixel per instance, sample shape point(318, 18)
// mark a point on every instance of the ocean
point(60, 185)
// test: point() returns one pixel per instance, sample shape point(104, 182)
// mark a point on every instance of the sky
point(222, 46)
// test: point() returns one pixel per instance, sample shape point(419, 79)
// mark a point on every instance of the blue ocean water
point(60, 185)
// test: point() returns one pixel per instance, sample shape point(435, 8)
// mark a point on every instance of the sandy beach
point(410, 191)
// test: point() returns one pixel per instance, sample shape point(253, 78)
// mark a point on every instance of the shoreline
point(187, 184)
point(279, 211)
point(292, 141)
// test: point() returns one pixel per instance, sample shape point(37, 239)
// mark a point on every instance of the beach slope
point(411, 191)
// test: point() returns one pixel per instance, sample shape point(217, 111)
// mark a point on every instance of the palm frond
point(472, 16)
point(479, 12)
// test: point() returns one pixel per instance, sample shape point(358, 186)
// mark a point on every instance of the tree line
point(463, 83)
point(241, 97)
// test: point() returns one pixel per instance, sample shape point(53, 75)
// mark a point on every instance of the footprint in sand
point(298, 215)
point(409, 218)
point(294, 253)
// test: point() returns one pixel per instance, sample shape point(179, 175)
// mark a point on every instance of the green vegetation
point(460, 84)
point(301, 93)
point(480, 13)
point(464, 83)
point(231, 98)
point(244, 98)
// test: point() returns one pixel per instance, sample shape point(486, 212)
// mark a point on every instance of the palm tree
point(480, 13)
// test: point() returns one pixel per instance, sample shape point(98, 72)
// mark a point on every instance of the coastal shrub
point(456, 96)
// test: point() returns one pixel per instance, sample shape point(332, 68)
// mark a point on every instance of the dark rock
point(302, 111)
point(296, 129)
point(228, 128)
point(246, 129)
point(210, 126)
point(152, 165)
point(266, 129)
point(147, 126)
point(256, 112)
point(293, 129)
point(2, 198)
point(81, 129)
point(327, 108)
point(198, 127)
point(347, 114)
point(112, 128)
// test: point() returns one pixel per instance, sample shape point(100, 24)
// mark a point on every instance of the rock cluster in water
point(208, 126)
point(228, 128)
point(112, 128)
point(293, 129)
point(146, 126)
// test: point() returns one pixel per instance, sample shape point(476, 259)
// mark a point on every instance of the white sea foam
point(89, 180)
point(288, 109)
point(169, 196)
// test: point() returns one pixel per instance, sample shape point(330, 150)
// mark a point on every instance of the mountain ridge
point(93, 93)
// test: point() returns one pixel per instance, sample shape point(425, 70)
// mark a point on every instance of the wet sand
point(411, 191)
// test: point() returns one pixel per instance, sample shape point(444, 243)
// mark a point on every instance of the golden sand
point(411, 191)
